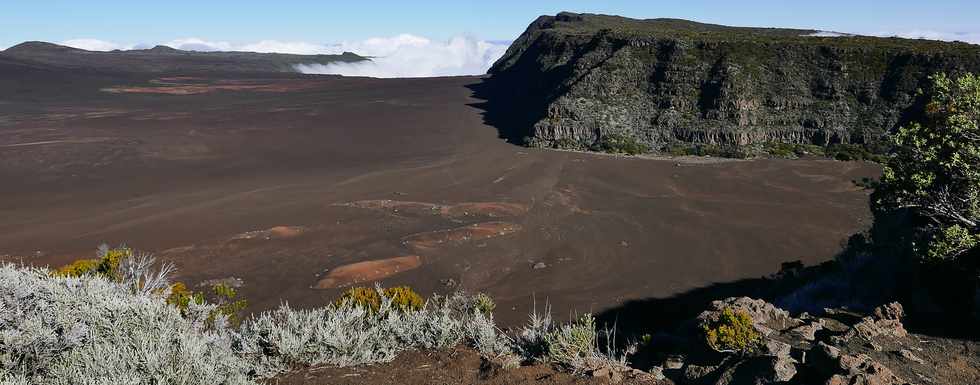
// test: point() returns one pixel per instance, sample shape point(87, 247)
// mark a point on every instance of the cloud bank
point(413, 56)
point(969, 37)
point(404, 55)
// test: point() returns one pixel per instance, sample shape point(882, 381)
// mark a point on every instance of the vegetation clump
point(935, 171)
point(617, 143)
point(402, 298)
point(721, 151)
point(484, 303)
point(572, 343)
point(732, 332)
point(792, 150)
point(106, 265)
point(90, 329)
point(852, 152)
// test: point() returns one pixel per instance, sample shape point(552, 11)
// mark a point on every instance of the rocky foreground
point(835, 348)
point(577, 78)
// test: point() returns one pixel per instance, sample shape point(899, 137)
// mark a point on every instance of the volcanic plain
point(296, 187)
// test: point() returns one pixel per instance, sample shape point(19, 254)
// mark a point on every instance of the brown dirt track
point(185, 176)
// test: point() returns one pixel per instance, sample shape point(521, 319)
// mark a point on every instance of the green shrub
point(568, 345)
point(222, 296)
point(569, 143)
point(484, 304)
point(617, 143)
point(791, 150)
point(951, 242)
point(852, 152)
point(228, 306)
point(78, 268)
point(181, 297)
point(732, 332)
point(402, 298)
point(721, 151)
point(106, 265)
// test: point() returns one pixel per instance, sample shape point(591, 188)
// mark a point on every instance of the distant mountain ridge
point(160, 59)
point(572, 79)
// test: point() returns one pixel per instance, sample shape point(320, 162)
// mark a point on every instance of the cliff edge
point(572, 79)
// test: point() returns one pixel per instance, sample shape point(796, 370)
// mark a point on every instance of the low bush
point(91, 330)
point(483, 303)
point(569, 144)
point(106, 265)
point(732, 332)
point(617, 143)
point(140, 328)
point(791, 150)
point(852, 152)
point(721, 151)
point(403, 298)
point(569, 345)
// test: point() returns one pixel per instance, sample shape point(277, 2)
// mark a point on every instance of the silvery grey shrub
point(90, 330)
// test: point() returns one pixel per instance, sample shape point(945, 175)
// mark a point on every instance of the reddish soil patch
point(277, 232)
point(367, 271)
point(432, 239)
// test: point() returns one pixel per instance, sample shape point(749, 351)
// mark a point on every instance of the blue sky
point(332, 21)
point(429, 38)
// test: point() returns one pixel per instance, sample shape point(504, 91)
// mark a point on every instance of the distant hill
point(161, 59)
point(572, 79)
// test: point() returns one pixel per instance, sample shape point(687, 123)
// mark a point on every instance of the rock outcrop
point(835, 348)
point(572, 79)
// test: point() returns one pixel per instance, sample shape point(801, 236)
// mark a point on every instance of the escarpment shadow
point(508, 109)
point(658, 315)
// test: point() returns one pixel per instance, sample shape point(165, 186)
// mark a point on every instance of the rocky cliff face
point(572, 79)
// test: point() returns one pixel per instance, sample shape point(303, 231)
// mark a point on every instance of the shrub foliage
point(403, 298)
point(935, 171)
point(119, 319)
point(732, 332)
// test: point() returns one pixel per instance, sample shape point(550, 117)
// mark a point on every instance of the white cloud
point(403, 55)
point(969, 37)
point(94, 44)
point(294, 47)
point(413, 56)
point(196, 44)
point(828, 34)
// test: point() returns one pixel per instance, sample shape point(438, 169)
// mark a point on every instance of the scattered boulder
point(808, 331)
point(886, 321)
point(908, 355)
point(892, 311)
point(846, 369)
point(766, 317)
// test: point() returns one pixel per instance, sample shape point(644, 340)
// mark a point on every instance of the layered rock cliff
point(571, 79)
